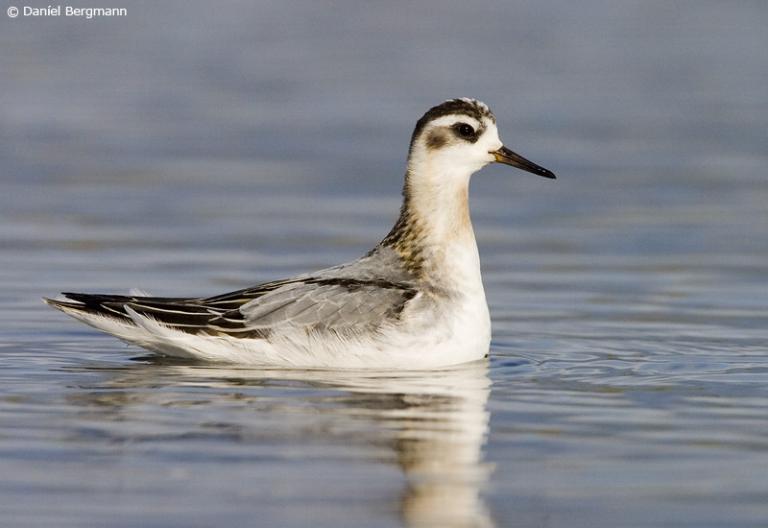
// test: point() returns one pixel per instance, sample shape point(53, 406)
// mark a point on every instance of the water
point(192, 149)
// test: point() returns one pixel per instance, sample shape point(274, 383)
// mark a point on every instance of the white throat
point(438, 196)
point(437, 200)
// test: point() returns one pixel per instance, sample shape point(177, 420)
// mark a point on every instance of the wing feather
point(309, 303)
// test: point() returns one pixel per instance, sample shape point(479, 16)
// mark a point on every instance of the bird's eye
point(464, 130)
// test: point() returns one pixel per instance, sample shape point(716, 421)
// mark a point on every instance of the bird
point(415, 301)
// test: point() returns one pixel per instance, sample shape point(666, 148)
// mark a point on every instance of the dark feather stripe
point(226, 323)
point(173, 318)
point(247, 294)
point(236, 299)
point(178, 309)
point(219, 315)
point(186, 315)
point(356, 284)
point(244, 333)
point(96, 298)
point(117, 309)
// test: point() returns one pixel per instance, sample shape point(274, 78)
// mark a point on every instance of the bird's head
point(459, 137)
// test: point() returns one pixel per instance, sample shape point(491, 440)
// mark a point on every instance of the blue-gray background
point(195, 147)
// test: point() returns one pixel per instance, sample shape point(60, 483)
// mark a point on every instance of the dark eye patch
point(437, 139)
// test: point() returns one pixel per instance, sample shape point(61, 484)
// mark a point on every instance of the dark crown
point(469, 107)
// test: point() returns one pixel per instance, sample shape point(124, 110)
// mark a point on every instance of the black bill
point(507, 157)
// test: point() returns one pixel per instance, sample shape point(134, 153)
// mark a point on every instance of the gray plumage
point(356, 297)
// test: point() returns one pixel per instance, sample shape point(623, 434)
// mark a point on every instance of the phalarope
point(415, 301)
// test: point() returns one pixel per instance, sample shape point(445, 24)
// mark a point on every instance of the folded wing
point(312, 304)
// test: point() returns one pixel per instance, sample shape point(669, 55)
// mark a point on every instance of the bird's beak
point(507, 157)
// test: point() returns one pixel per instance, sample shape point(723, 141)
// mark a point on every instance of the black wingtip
point(63, 305)
point(79, 297)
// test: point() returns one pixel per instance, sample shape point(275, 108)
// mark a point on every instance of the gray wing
point(356, 297)
point(342, 305)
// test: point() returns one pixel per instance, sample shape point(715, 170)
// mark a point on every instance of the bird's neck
point(434, 234)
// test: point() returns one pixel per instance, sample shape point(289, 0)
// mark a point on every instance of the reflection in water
point(436, 422)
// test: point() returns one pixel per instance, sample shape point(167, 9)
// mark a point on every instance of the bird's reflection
point(436, 422)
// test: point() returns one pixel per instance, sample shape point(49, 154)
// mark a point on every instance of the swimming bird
point(415, 301)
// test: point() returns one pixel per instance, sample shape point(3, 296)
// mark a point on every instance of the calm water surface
point(187, 150)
